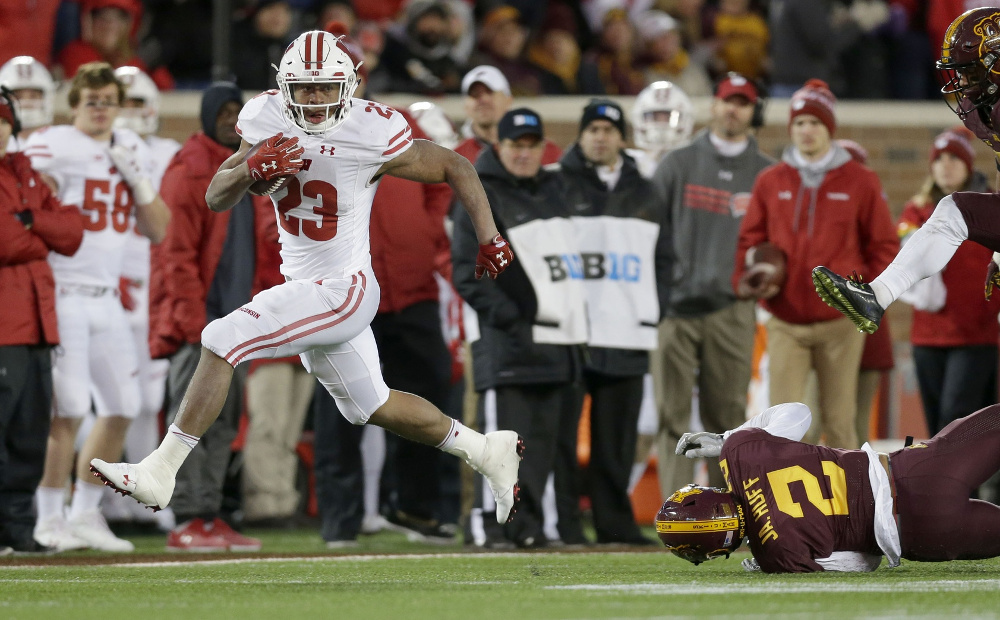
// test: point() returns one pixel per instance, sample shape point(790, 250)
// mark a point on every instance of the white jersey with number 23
point(324, 212)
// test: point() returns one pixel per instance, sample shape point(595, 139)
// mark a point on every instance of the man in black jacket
point(612, 187)
point(524, 385)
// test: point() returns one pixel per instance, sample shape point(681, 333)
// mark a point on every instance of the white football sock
point(465, 443)
point(86, 498)
point(926, 252)
point(174, 448)
point(51, 502)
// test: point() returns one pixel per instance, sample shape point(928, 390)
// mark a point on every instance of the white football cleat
point(144, 482)
point(54, 532)
point(501, 460)
point(91, 528)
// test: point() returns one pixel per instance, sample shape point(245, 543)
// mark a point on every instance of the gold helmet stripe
point(697, 526)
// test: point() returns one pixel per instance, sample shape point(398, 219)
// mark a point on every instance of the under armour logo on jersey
point(269, 166)
point(323, 150)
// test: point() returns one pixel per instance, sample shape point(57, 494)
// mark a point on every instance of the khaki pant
point(715, 350)
point(278, 397)
point(831, 348)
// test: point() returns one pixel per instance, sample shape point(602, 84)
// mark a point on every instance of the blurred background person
point(522, 383)
point(108, 32)
point(626, 204)
point(954, 333)
point(418, 54)
point(259, 39)
point(662, 120)
point(806, 41)
point(207, 266)
point(741, 39)
point(107, 173)
point(27, 28)
point(819, 207)
point(487, 99)
point(556, 52)
point(32, 85)
point(32, 224)
point(616, 54)
point(706, 335)
point(141, 113)
point(663, 57)
point(502, 43)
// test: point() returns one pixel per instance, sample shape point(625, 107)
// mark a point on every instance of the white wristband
point(143, 192)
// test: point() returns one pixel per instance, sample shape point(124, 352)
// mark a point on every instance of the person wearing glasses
point(106, 173)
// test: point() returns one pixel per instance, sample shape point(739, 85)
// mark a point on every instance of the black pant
point(25, 413)
point(955, 381)
point(614, 413)
point(544, 416)
point(414, 359)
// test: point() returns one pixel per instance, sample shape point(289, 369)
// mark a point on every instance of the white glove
point(128, 167)
point(927, 295)
point(694, 445)
point(750, 565)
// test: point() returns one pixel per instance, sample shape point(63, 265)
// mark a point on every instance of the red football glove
point(277, 157)
point(493, 258)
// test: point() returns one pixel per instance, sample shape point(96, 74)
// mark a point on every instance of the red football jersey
point(800, 501)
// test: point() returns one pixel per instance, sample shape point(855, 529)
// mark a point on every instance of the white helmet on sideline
point(25, 73)
point(434, 123)
point(318, 57)
point(662, 117)
point(144, 120)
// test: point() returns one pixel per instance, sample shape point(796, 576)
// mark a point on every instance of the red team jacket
point(184, 264)
point(407, 234)
point(966, 318)
point(28, 311)
point(851, 230)
point(800, 502)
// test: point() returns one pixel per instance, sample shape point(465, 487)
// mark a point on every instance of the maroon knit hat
point(957, 142)
point(814, 98)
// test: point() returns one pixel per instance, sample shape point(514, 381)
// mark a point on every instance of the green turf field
point(387, 577)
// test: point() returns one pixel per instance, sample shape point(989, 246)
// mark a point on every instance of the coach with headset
point(706, 335)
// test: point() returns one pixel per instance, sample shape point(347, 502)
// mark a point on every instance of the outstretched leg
point(926, 252)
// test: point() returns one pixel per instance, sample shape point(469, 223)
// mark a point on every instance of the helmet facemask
point(968, 63)
point(323, 75)
point(144, 118)
point(662, 118)
point(968, 86)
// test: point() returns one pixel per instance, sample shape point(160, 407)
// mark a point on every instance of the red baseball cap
point(736, 84)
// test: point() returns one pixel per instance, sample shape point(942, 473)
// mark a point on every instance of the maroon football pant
point(937, 520)
point(982, 216)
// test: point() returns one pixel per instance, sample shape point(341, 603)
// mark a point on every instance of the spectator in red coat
point(32, 223)
point(954, 332)
point(27, 28)
point(107, 32)
point(200, 273)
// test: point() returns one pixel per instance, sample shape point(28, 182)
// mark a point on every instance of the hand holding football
point(765, 273)
point(273, 163)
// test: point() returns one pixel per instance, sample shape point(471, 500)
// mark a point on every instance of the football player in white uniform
point(662, 120)
point(331, 150)
point(141, 114)
point(106, 174)
point(35, 91)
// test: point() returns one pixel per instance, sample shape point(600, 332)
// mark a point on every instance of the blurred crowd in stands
point(869, 49)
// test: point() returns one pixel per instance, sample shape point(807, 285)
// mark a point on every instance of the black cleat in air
point(850, 296)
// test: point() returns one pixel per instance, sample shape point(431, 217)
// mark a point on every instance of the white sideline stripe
point(817, 587)
point(310, 558)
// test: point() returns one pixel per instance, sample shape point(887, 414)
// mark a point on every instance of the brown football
point(766, 266)
point(266, 187)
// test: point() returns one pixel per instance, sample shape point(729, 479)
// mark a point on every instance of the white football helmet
point(662, 117)
point(318, 57)
point(26, 73)
point(434, 123)
point(138, 85)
